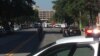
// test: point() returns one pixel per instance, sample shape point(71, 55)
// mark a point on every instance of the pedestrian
point(40, 31)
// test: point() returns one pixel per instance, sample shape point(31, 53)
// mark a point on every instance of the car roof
point(75, 39)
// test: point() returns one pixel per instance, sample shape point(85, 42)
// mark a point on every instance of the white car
point(58, 25)
point(73, 46)
point(63, 25)
point(17, 27)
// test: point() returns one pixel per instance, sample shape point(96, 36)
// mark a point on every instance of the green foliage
point(17, 11)
point(11, 10)
point(69, 10)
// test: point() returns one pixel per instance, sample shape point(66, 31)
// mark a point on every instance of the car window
point(83, 51)
point(99, 50)
point(69, 50)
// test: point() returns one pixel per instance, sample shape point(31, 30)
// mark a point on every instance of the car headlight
point(96, 31)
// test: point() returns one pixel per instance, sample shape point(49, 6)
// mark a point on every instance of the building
point(45, 15)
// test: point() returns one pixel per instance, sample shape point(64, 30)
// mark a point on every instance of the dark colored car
point(24, 26)
point(2, 31)
point(37, 25)
point(71, 31)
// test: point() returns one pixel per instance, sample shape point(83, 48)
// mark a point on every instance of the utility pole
point(80, 21)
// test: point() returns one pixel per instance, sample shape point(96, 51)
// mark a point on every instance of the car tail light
point(89, 31)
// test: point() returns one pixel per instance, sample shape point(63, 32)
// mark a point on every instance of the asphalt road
point(27, 41)
point(51, 35)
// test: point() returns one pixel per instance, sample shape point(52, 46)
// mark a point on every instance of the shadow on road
point(52, 32)
point(23, 41)
point(41, 36)
point(12, 41)
point(9, 42)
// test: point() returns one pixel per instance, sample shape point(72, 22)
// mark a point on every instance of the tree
point(76, 9)
point(68, 8)
point(12, 10)
point(93, 7)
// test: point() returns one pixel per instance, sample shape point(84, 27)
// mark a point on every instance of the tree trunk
point(91, 19)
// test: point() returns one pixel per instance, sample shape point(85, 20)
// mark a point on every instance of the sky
point(44, 4)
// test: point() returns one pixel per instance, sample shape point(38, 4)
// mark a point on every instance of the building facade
point(46, 15)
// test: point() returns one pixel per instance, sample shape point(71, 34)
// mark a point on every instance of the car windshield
point(28, 25)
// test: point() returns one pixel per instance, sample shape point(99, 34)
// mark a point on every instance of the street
point(27, 41)
point(59, 27)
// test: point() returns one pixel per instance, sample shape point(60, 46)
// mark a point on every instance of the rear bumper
point(89, 35)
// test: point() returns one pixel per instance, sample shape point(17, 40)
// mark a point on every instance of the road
point(27, 41)
point(51, 35)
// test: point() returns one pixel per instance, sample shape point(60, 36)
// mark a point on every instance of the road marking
point(12, 52)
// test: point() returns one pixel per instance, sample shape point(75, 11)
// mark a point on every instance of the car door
point(70, 49)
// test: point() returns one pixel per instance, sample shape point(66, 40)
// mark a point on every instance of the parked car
point(17, 27)
point(57, 25)
point(24, 26)
point(71, 31)
point(2, 30)
point(74, 46)
point(37, 25)
point(49, 25)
